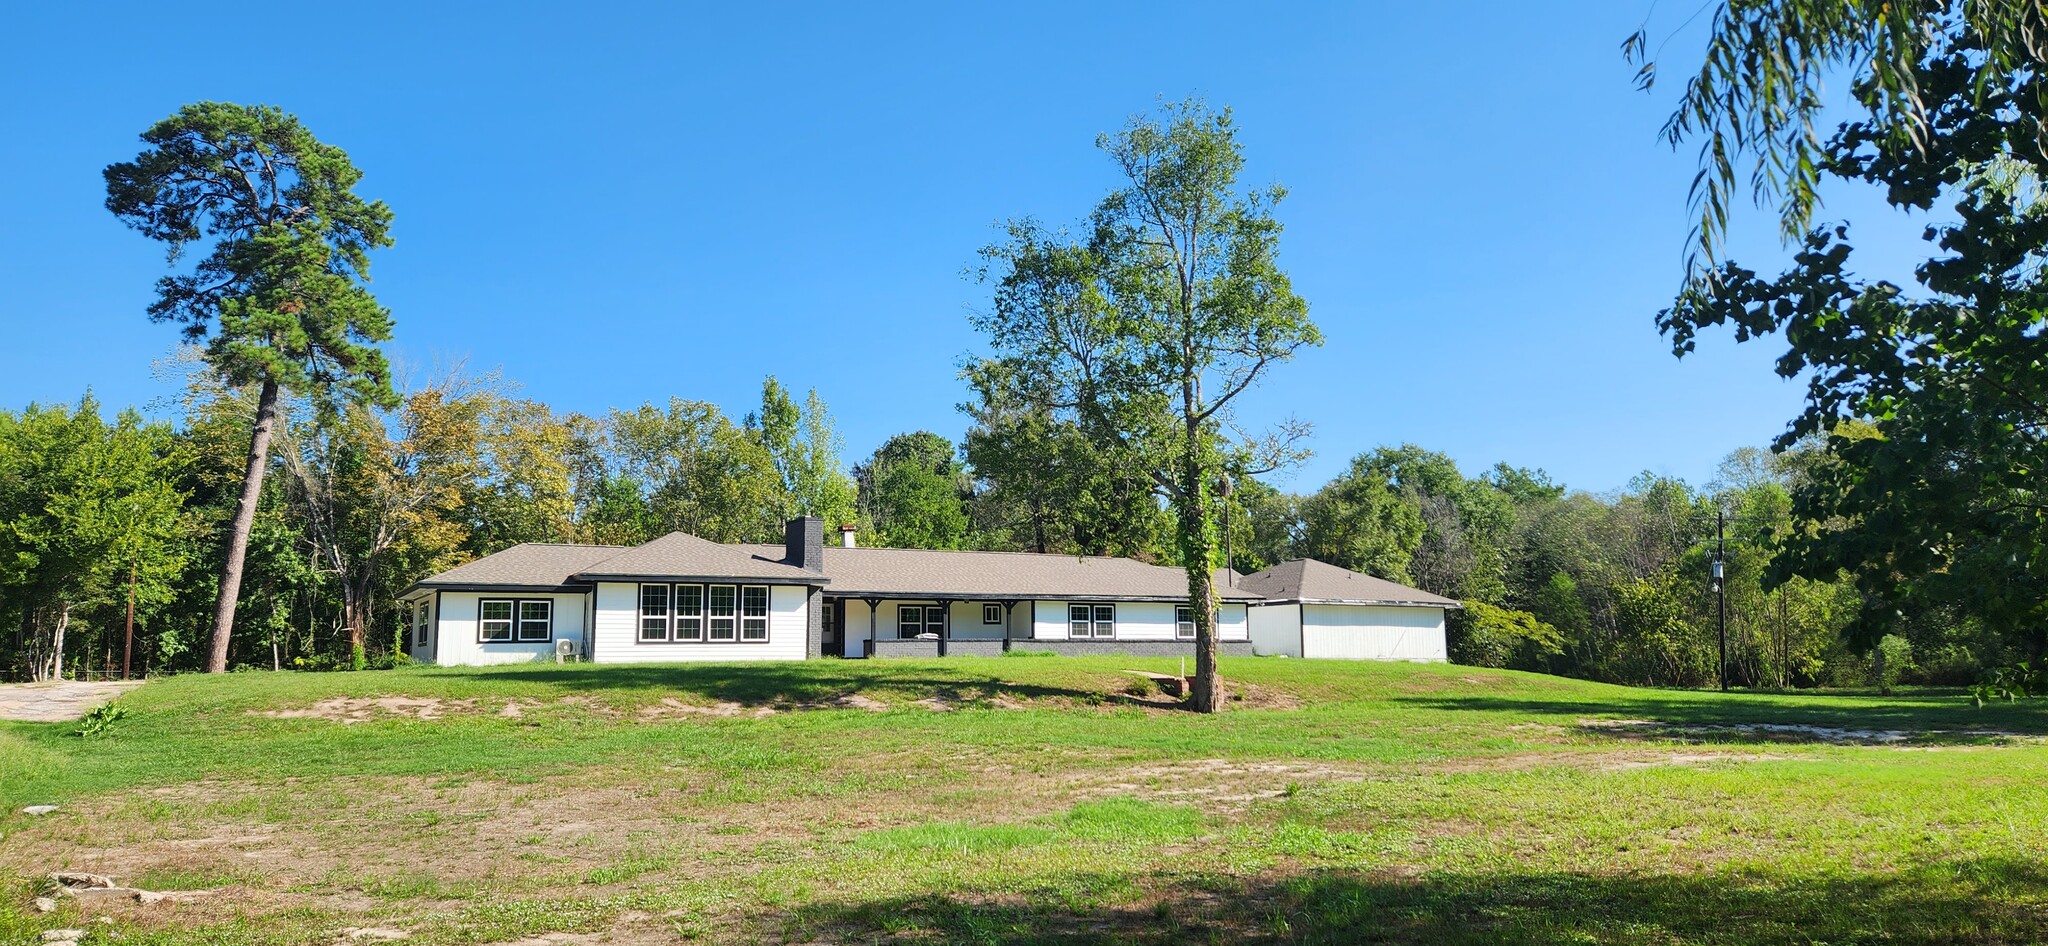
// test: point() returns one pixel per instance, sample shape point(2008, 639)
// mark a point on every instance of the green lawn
point(1028, 800)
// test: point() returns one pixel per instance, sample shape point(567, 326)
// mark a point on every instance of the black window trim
point(991, 609)
point(518, 605)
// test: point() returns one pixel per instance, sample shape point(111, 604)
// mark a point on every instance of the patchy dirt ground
point(58, 701)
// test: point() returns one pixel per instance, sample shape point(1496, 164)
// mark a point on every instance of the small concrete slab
point(58, 701)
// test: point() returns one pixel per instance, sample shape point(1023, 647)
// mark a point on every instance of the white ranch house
point(682, 598)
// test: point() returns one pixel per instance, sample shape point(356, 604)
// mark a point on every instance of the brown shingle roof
point(1314, 582)
point(682, 555)
point(960, 574)
point(529, 565)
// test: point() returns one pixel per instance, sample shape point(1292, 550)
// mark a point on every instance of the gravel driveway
point(57, 702)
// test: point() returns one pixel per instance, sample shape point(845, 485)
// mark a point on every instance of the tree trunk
point(57, 641)
point(355, 617)
point(245, 520)
point(1197, 547)
point(128, 629)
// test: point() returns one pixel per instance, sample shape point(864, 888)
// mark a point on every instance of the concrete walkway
point(59, 701)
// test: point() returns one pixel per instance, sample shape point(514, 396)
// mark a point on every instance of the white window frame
point(665, 617)
point(991, 614)
point(749, 621)
point(521, 622)
point(1180, 621)
point(484, 621)
point(688, 625)
point(727, 623)
point(1087, 622)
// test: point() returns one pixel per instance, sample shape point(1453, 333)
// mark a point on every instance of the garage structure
point(1313, 609)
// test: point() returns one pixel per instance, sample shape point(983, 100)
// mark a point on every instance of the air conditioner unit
point(565, 651)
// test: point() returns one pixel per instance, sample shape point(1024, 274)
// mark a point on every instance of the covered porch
point(927, 626)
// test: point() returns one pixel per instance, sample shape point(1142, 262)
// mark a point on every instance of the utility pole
point(1721, 586)
point(128, 634)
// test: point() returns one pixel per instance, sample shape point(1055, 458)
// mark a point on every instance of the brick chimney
point(804, 543)
point(846, 536)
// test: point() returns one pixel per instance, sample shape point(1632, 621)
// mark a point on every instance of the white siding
point(854, 615)
point(1360, 632)
point(455, 630)
point(1051, 622)
point(1144, 621)
point(1231, 623)
point(966, 617)
point(1136, 620)
point(618, 622)
point(1276, 630)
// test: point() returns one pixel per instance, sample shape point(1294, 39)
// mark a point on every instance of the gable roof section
point(680, 555)
point(529, 565)
point(927, 573)
point(1311, 582)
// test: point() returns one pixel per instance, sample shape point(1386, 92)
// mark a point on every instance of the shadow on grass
point(1982, 901)
point(772, 684)
point(1917, 719)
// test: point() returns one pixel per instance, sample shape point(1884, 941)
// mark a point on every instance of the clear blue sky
point(620, 204)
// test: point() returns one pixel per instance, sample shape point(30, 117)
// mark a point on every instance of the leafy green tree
point(1151, 328)
point(1933, 502)
point(87, 510)
point(913, 493)
point(1759, 91)
point(1362, 522)
point(695, 470)
point(278, 295)
point(372, 486)
point(1483, 635)
point(1044, 485)
point(804, 445)
point(527, 462)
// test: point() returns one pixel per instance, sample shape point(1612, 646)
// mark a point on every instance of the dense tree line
point(364, 500)
point(361, 501)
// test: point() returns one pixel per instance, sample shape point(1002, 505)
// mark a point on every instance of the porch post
point(874, 605)
point(1007, 607)
point(945, 624)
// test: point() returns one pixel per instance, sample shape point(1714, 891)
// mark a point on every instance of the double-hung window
point(754, 613)
point(654, 612)
point(1184, 623)
point(915, 619)
point(690, 613)
point(494, 620)
point(536, 622)
point(1091, 621)
point(721, 605)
